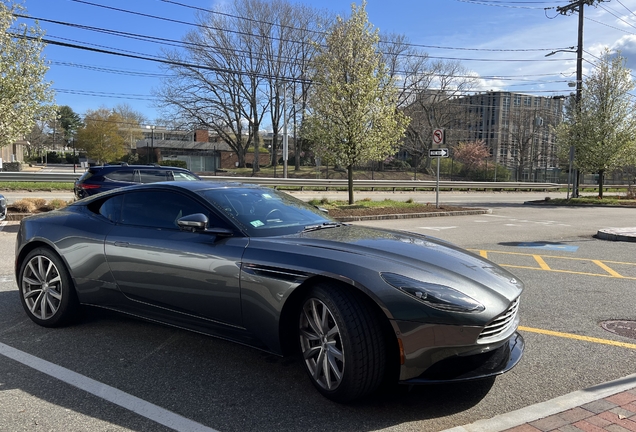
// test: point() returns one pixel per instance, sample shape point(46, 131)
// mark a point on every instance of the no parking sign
point(438, 137)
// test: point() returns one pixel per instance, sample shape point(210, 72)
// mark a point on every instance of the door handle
point(122, 244)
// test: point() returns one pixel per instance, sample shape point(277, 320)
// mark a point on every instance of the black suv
point(103, 178)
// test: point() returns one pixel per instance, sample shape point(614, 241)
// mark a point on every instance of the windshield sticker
point(257, 223)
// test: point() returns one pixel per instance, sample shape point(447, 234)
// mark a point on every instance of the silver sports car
point(361, 306)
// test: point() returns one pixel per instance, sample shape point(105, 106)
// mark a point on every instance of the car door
point(154, 262)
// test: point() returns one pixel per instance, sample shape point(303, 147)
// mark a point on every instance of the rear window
point(88, 174)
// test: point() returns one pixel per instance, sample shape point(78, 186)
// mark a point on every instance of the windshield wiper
point(322, 226)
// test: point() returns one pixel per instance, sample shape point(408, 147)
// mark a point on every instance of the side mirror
point(193, 222)
point(199, 222)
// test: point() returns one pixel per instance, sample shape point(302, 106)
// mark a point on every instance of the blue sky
point(481, 33)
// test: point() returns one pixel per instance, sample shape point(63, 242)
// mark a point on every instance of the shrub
point(37, 202)
point(24, 206)
point(56, 204)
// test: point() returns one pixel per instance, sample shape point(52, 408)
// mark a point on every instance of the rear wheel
point(46, 290)
point(341, 342)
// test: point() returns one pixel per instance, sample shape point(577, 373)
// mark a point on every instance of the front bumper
point(476, 366)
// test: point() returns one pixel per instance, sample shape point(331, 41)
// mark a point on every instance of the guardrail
point(384, 184)
point(40, 176)
point(327, 184)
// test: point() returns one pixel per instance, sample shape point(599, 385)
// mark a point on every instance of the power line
point(281, 25)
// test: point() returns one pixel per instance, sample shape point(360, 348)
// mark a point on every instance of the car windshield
point(265, 212)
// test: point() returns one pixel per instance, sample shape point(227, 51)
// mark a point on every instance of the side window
point(111, 208)
point(121, 175)
point(181, 175)
point(153, 176)
point(161, 209)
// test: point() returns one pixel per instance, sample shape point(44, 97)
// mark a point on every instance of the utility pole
point(577, 6)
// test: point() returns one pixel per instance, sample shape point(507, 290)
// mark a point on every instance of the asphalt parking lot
point(113, 373)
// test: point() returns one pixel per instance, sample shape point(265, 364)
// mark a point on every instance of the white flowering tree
point(353, 102)
point(24, 94)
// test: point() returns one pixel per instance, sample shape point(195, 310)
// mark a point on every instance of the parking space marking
point(543, 265)
point(106, 392)
point(541, 262)
point(607, 269)
point(578, 337)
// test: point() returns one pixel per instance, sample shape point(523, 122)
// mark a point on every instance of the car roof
point(126, 166)
point(193, 186)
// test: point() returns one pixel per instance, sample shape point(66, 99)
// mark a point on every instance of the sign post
point(437, 153)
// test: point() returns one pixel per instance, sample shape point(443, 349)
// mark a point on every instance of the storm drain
point(621, 328)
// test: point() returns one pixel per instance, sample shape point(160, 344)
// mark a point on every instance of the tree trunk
point(350, 182)
point(601, 181)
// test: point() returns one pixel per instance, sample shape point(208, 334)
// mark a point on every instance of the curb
point(617, 234)
point(16, 217)
point(413, 215)
point(545, 409)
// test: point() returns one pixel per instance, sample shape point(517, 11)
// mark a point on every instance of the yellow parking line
point(483, 254)
point(607, 269)
point(552, 256)
point(578, 337)
point(565, 271)
point(541, 263)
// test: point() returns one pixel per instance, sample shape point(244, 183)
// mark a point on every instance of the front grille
point(502, 323)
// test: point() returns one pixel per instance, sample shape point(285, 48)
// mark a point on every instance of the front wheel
point(341, 342)
point(46, 290)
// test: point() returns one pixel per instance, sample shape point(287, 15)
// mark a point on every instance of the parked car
point(102, 178)
point(257, 266)
point(3, 207)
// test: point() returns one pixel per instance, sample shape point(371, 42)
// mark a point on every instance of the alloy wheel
point(42, 287)
point(321, 344)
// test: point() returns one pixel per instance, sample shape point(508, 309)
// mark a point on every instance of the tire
point(341, 342)
point(46, 290)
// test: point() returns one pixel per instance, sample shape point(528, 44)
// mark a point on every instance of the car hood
point(418, 256)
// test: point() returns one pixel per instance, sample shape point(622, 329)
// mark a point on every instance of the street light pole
point(152, 142)
point(285, 144)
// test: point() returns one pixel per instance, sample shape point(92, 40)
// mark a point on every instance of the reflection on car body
point(260, 267)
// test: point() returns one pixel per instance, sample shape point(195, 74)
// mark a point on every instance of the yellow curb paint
point(578, 337)
point(607, 269)
point(541, 263)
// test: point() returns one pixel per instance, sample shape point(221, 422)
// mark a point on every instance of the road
point(573, 283)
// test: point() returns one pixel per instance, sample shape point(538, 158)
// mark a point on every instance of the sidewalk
point(608, 407)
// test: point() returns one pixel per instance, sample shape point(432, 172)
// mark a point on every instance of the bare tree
point(429, 93)
point(220, 91)
point(433, 99)
point(526, 135)
point(245, 54)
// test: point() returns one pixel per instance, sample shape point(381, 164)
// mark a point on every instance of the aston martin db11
point(250, 264)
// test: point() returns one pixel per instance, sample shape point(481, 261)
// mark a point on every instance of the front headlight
point(434, 295)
